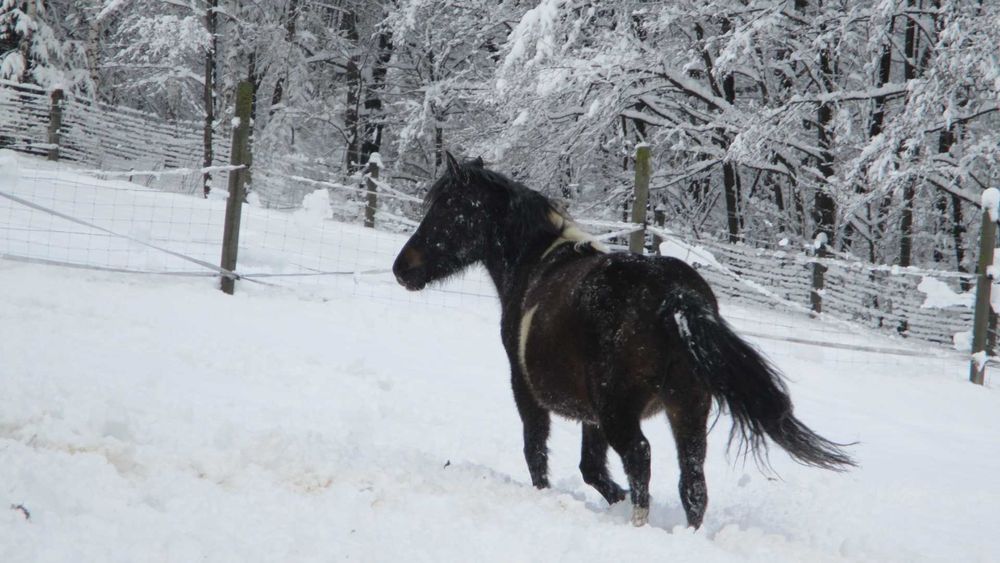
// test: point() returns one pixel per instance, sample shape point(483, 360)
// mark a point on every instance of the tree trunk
point(352, 126)
point(956, 229)
point(958, 236)
point(799, 205)
point(909, 73)
point(25, 45)
point(729, 184)
point(779, 196)
point(371, 200)
point(373, 118)
point(291, 16)
point(730, 175)
point(824, 210)
point(256, 77)
point(884, 69)
point(823, 204)
point(875, 128)
point(906, 226)
point(208, 94)
point(92, 54)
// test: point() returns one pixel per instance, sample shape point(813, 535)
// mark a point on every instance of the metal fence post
point(643, 171)
point(55, 123)
point(984, 281)
point(240, 156)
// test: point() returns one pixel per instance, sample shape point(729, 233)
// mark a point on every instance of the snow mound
point(315, 207)
point(940, 296)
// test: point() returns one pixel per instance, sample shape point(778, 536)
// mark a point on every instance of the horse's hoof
point(640, 516)
point(615, 495)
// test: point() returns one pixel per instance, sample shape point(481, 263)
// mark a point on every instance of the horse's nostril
point(407, 268)
point(413, 257)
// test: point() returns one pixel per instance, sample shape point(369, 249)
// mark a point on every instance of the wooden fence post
point(643, 171)
point(659, 219)
point(239, 156)
point(55, 123)
point(818, 274)
point(984, 281)
point(371, 182)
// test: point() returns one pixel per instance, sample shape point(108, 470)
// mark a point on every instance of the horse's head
point(455, 229)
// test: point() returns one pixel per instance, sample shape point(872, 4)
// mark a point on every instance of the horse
point(604, 338)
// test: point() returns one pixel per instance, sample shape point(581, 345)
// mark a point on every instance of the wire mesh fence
point(52, 213)
point(80, 219)
point(929, 305)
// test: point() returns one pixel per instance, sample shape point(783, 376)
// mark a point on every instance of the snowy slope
point(147, 418)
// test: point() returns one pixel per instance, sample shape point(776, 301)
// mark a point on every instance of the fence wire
point(126, 203)
point(891, 299)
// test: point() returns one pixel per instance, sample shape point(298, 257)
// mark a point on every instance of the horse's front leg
point(536, 429)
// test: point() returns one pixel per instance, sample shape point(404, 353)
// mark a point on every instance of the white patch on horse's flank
point(522, 339)
point(571, 232)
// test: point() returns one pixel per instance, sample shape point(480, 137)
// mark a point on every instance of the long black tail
point(742, 379)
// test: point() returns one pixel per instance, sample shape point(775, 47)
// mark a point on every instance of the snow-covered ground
point(152, 418)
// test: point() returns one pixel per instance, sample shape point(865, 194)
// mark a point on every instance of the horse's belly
point(567, 396)
point(562, 392)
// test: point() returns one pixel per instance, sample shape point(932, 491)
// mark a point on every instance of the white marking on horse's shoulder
point(522, 339)
point(577, 235)
point(571, 232)
point(557, 219)
point(682, 325)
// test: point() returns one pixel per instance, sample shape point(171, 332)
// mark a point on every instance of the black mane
point(528, 211)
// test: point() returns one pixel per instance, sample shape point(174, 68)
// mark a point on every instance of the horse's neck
point(511, 268)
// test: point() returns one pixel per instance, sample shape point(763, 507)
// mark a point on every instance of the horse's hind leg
point(536, 431)
point(594, 464)
point(689, 420)
point(621, 427)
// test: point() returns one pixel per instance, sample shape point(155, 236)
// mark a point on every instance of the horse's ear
point(478, 162)
point(454, 168)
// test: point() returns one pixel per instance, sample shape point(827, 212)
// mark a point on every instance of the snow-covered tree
point(441, 73)
point(768, 118)
point(36, 46)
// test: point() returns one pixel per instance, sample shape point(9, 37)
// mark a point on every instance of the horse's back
point(622, 283)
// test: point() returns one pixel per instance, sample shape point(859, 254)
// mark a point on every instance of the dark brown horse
point(604, 338)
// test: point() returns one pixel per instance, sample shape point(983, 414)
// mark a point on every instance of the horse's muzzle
point(409, 270)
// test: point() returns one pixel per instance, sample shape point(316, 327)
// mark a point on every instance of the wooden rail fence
point(102, 136)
